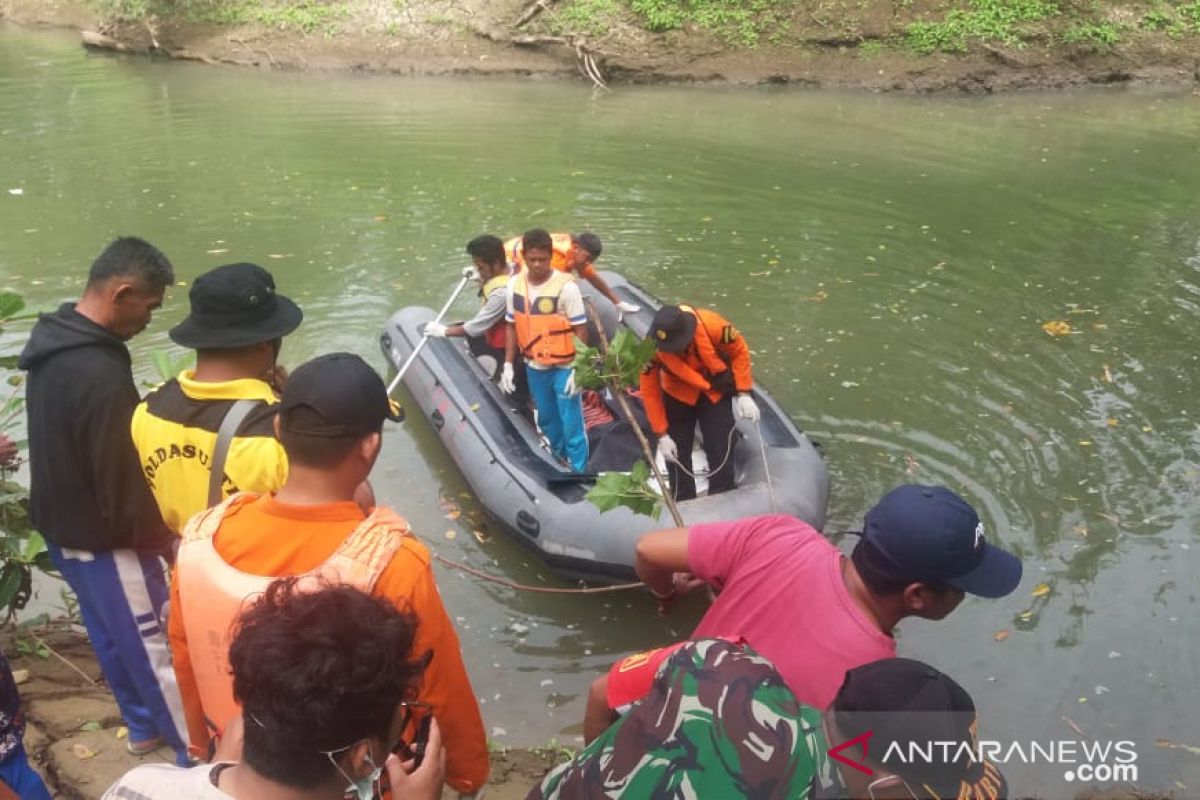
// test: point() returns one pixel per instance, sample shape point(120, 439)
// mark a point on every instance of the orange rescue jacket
point(495, 335)
point(544, 334)
point(715, 347)
point(213, 593)
point(562, 257)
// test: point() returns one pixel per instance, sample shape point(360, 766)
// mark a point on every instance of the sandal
point(144, 748)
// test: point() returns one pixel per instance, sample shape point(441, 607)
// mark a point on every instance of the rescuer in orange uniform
point(330, 423)
point(573, 253)
point(702, 361)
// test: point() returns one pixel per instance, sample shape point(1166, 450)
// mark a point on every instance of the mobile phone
point(415, 751)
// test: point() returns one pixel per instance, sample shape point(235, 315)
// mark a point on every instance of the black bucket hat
point(672, 329)
point(235, 306)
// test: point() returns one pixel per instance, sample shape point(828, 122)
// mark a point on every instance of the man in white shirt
point(545, 312)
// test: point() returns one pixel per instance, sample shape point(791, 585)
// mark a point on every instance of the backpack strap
point(229, 426)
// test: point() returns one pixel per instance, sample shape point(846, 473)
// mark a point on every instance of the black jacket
point(86, 486)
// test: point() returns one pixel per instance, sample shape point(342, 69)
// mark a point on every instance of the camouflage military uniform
point(718, 723)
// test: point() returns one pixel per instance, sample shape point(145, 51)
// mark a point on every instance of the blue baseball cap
point(930, 534)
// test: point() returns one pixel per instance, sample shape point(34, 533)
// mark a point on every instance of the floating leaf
point(122, 732)
point(451, 534)
point(1108, 378)
point(1041, 590)
point(1001, 635)
point(1057, 327)
point(481, 536)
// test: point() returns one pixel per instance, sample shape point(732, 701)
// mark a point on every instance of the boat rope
point(483, 576)
point(711, 469)
point(762, 448)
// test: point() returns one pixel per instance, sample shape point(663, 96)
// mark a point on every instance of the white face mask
point(364, 787)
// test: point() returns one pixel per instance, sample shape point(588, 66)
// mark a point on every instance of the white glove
point(667, 448)
point(468, 273)
point(628, 308)
point(507, 383)
point(435, 329)
point(744, 407)
point(569, 387)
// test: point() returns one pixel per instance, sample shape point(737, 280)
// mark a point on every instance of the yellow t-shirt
point(175, 430)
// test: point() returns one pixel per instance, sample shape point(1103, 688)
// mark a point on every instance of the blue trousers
point(560, 415)
point(121, 595)
point(16, 774)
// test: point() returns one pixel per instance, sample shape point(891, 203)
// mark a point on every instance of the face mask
point(363, 788)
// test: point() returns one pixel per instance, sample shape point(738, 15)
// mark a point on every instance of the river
point(891, 260)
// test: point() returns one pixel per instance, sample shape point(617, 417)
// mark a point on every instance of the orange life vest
point(495, 335)
point(213, 593)
point(544, 334)
point(562, 256)
point(715, 347)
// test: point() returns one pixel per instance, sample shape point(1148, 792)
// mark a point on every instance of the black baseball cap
point(347, 396)
point(672, 329)
point(917, 723)
point(235, 306)
point(930, 534)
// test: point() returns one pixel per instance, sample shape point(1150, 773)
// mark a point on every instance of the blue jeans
point(17, 775)
point(560, 415)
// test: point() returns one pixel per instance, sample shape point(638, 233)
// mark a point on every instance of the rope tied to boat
point(484, 576)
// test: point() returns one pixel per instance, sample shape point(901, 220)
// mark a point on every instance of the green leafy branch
point(618, 366)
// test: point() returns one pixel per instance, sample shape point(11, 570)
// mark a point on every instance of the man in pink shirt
point(792, 596)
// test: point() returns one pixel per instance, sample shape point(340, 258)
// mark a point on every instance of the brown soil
point(73, 723)
point(475, 37)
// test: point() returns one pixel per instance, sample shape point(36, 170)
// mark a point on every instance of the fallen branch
point(62, 658)
point(531, 11)
point(101, 41)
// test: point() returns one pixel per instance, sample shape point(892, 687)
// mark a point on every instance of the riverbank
point(878, 45)
point(75, 738)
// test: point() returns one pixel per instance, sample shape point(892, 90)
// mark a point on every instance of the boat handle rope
point(484, 576)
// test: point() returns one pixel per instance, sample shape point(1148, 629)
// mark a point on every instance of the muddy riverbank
point(865, 45)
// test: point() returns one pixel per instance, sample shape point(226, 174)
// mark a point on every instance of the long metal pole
point(425, 337)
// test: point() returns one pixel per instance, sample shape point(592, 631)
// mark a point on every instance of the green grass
point(591, 17)
point(871, 48)
point(1098, 34)
point(308, 16)
point(1004, 21)
point(742, 22)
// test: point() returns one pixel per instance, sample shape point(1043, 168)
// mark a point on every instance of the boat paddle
point(468, 274)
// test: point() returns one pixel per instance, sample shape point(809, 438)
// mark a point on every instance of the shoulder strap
point(229, 425)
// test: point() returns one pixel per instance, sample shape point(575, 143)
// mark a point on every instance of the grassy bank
point(921, 27)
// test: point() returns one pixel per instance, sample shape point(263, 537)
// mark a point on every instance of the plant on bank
point(986, 20)
point(22, 549)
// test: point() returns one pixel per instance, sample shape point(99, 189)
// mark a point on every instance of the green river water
point(891, 260)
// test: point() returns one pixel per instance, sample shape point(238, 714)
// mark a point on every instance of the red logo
point(860, 764)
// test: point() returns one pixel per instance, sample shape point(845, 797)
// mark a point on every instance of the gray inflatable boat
point(540, 503)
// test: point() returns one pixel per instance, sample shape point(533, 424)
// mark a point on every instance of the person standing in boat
point(486, 330)
point(545, 311)
point(575, 254)
point(330, 422)
point(700, 374)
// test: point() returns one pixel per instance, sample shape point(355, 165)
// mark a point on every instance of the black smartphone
point(416, 749)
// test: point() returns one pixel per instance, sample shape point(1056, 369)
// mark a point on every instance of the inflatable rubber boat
point(541, 503)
